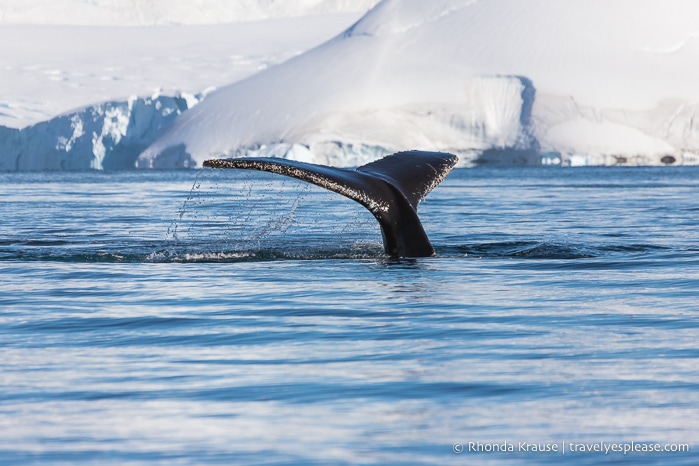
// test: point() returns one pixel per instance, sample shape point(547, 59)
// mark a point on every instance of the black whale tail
point(390, 188)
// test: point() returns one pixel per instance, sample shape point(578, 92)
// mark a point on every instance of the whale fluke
point(390, 188)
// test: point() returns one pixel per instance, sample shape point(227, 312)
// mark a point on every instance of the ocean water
point(224, 317)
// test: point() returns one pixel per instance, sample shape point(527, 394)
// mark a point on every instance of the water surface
point(226, 317)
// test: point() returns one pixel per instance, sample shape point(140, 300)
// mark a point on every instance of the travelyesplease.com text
point(570, 447)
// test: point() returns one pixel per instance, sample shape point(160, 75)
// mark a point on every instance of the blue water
point(222, 317)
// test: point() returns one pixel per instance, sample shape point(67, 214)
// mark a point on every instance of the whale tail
point(390, 188)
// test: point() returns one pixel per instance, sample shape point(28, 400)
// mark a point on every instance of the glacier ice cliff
point(106, 136)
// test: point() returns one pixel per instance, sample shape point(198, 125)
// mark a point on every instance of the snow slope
point(613, 80)
point(50, 69)
point(159, 12)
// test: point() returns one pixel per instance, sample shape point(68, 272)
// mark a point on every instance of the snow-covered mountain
point(594, 81)
point(495, 81)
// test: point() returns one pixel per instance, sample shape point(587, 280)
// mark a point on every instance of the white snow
point(47, 70)
point(163, 12)
point(604, 138)
point(593, 81)
point(450, 75)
